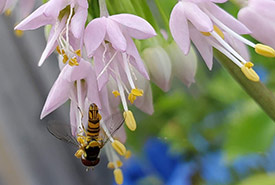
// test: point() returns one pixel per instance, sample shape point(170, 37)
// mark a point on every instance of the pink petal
point(94, 35)
point(135, 26)
point(35, 20)
point(227, 19)
point(197, 17)
point(93, 92)
point(52, 42)
point(99, 66)
point(259, 25)
point(2, 5)
point(179, 27)
point(135, 59)
point(74, 73)
point(203, 46)
point(58, 95)
point(115, 35)
point(26, 7)
point(78, 22)
point(219, 1)
point(54, 7)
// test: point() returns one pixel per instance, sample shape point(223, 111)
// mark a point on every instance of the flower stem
point(103, 8)
point(257, 90)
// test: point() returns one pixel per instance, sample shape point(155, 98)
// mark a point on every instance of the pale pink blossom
point(259, 17)
point(67, 18)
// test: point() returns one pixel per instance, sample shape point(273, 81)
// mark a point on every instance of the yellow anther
point(8, 12)
point(18, 33)
point(132, 98)
point(134, 93)
point(81, 140)
point(58, 50)
point(78, 52)
point(119, 163)
point(118, 176)
point(111, 165)
point(217, 30)
point(65, 59)
point(119, 147)
point(73, 62)
point(92, 144)
point(128, 154)
point(130, 120)
point(249, 72)
point(116, 93)
point(249, 64)
point(79, 153)
point(264, 50)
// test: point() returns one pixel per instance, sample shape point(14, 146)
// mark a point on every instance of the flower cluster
point(100, 62)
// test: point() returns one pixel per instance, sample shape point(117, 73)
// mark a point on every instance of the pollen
point(73, 62)
point(111, 165)
point(264, 50)
point(128, 154)
point(130, 120)
point(116, 93)
point(65, 59)
point(8, 12)
point(134, 93)
point(19, 33)
point(119, 163)
point(58, 50)
point(249, 72)
point(78, 52)
point(119, 147)
point(79, 153)
point(217, 30)
point(118, 176)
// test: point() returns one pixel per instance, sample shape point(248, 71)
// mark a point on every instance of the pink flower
point(25, 7)
point(206, 25)
point(259, 17)
point(67, 19)
point(65, 87)
point(109, 41)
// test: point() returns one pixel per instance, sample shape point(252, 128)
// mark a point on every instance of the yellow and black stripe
point(93, 123)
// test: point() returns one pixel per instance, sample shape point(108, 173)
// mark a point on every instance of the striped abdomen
point(93, 122)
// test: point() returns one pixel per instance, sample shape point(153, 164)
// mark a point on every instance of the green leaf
point(251, 131)
point(260, 179)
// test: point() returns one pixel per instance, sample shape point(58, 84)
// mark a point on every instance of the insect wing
point(62, 132)
point(113, 123)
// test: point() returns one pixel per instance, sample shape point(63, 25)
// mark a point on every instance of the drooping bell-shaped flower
point(259, 17)
point(77, 83)
point(67, 18)
point(183, 66)
point(206, 24)
point(25, 7)
point(108, 40)
point(159, 65)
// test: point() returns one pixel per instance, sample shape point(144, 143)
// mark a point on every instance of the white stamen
point(121, 91)
point(226, 53)
point(127, 71)
point(227, 46)
point(102, 124)
point(228, 30)
point(79, 99)
point(106, 66)
point(67, 24)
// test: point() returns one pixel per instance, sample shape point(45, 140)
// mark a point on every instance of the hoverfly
point(93, 138)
